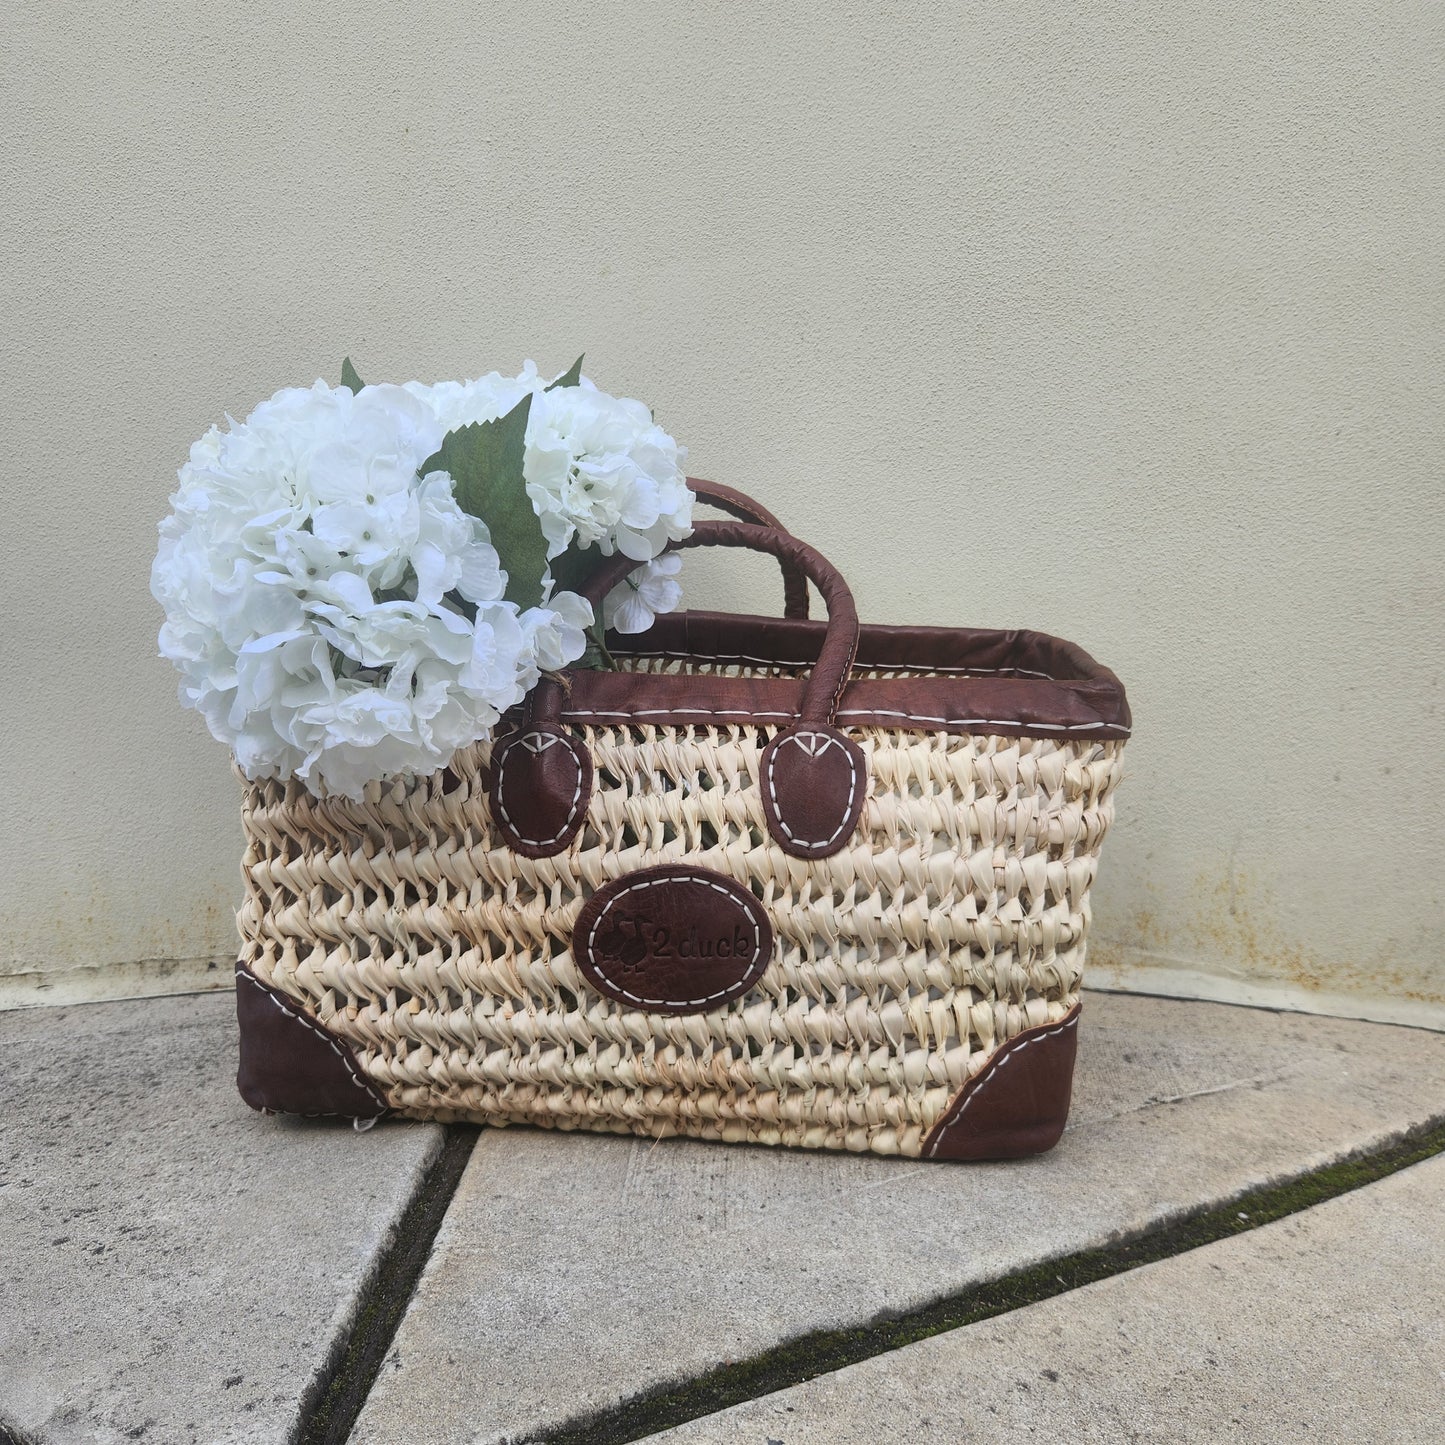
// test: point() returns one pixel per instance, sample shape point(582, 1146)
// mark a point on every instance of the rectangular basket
point(774, 881)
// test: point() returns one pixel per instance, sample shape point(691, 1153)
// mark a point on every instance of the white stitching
point(846, 676)
point(357, 1077)
point(749, 977)
point(771, 784)
point(571, 817)
point(701, 656)
point(1006, 1052)
point(750, 714)
point(674, 712)
point(987, 722)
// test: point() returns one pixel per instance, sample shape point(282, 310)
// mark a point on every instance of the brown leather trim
point(976, 681)
point(541, 786)
point(673, 939)
point(291, 1064)
point(1007, 707)
point(795, 642)
point(814, 782)
point(1018, 1103)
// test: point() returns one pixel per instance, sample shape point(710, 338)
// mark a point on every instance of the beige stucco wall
point(1121, 324)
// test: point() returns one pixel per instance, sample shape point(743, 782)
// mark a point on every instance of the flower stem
point(598, 635)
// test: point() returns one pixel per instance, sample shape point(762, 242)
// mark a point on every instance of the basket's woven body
point(954, 920)
point(776, 881)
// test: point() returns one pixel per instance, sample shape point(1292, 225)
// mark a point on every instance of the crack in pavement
point(825, 1351)
point(1258, 1081)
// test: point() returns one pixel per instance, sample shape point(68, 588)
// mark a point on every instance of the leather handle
point(813, 779)
point(840, 642)
point(746, 509)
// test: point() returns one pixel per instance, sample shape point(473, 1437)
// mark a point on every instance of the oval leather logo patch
point(673, 939)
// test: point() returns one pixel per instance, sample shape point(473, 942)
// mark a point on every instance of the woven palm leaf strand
point(955, 919)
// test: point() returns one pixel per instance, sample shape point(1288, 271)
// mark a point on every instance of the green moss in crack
point(331, 1409)
point(827, 1350)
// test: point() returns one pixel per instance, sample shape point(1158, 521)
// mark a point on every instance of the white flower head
point(598, 469)
point(319, 593)
point(557, 632)
point(632, 605)
point(337, 617)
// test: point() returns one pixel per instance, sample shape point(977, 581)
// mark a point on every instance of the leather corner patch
point(291, 1064)
point(673, 939)
point(1018, 1103)
point(814, 782)
point(541, 786)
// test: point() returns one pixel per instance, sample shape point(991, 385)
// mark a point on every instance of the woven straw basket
point(775, 881)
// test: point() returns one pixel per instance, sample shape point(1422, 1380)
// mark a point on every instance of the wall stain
point(1229, 925)
point(90, 929)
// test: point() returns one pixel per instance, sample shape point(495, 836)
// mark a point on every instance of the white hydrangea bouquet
point(360, 580)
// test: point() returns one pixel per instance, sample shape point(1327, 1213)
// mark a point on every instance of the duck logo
point(673, 940)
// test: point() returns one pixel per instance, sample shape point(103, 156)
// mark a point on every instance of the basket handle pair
point(812, 778)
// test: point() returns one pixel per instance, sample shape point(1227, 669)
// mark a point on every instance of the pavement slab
point(1326, 1326)
point(574, 1272)
point(173, 1267)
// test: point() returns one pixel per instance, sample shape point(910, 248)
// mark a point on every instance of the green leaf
point(485, 461)
point(597, 656)
point(571, 570)
point(591, 659)
point(349, 376)
point(571, 377)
